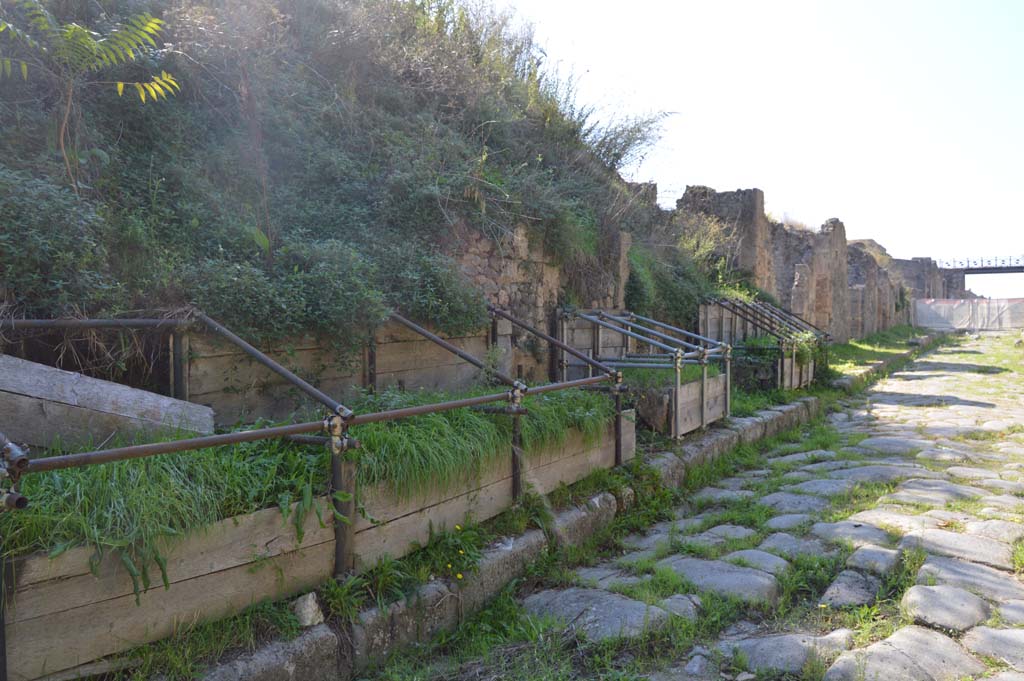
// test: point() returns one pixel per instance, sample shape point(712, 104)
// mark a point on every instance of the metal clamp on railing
point(13, 463)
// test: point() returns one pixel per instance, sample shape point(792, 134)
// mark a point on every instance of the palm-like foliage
point(73, 56)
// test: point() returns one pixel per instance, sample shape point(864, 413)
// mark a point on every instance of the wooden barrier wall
point(238, 388)
point(60, 615)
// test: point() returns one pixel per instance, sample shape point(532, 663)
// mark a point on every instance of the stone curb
point(320, 654)
point(855, 382)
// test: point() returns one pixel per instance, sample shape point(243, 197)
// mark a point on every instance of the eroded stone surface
point(787, 521)
point(852, 531)
point(1003, 644)
point(789, 546)
point(822, 487)
point(894, 445)
point(944, 607)
point(980, 579)
point(597, 615)
point(786, 653)
point(787, 502)
point(851, 588)
point(724, 578)
point(760, 560)
point(875, 559)
point(911, 654)
point(968, 547)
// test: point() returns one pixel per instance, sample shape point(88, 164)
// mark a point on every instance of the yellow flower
point(823, 605)
point(458, 528)
point(461, 552)
point(449, 566)
point(458, 575)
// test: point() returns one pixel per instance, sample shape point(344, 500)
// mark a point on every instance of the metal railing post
point(343, 496)
point(728, 381)
point(703, 392)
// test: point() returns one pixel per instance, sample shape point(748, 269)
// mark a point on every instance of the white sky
point(902, 118)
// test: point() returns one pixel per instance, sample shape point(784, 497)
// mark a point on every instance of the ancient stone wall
point(517, 275)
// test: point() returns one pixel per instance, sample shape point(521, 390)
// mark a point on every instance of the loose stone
point(912, 653)
point(851, 588)
point(1003, 644)
point(598, 615)
point(874, 559)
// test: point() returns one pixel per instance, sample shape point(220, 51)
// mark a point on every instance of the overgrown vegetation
point(316, 166)
point(880, 346)
point(132, 508)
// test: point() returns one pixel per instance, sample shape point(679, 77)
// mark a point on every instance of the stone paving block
point(1000, 530)
point(787, 521)
point(852, 531)
point(894, 445)
point(312, 656)
point(789, 546)
point(851, 588)
point(895, 518)
point(882, 473)
point(1012, 612)
point(944, 607)
point(874, 559)
point(800, 457)
point(994, 585)
point(598, 615)
point(967, 547)
point(933, 492)
point(681, 605)
point(760, 560)
point(1003, 644)
point(785, 653)
point(911, 654)
point(971, 473)
point(787, 502)
point(724, 578)
point(718, 495)
point(822, 487)
point(1006, 502)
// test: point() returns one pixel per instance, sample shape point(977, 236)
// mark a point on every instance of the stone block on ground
point(312, 656)
point(759, 560)
point(944, 607)
point(852, 531)
point(874, 559)
point(786, 653)
point(911, 654)
point(894, 445)
point(995, 585)
point(787, 502)
point(1012, 612)
point(597, 615)
point(787, 521)
point(724, 578)
point(681, 605)
point(882, 473)
point(933, 492)
point(967, 547)
point(671, 469)
point(717, 495)
point(789, 546)
point(822, 487)
point(307, 611)
point(851, 588)
point(1006, 645)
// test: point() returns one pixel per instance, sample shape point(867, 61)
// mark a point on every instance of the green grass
point(644, 379)
point(849, 357)
point(135, 507)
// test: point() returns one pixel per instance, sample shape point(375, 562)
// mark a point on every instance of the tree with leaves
point(73, 57)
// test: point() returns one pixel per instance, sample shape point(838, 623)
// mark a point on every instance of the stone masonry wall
point(848, 289)
point(518, 276)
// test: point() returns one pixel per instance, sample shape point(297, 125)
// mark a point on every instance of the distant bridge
point(1004, 264)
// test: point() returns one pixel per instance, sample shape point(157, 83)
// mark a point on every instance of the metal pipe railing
point(674, 329)
point(550, 339)
point(93, 323)
point(653, 332)
point(627, 332)
point(317, 394)
point(459, 352)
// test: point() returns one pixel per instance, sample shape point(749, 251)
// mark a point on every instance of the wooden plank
point(544, 471)
point(689, 403)
point(214, 374)
point(40, 403)
point(63, 617)
point(44, 586)
point(63, 640)
point(451, 377)
point(421, 353)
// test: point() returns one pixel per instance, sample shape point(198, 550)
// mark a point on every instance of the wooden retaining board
point(61, 615)
point(238, 388)
point(689, 403)
point(41, 406)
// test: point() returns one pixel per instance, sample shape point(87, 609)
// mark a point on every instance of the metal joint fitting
point(344, 412)
point(519, 389)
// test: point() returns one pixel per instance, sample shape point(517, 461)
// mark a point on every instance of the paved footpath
point(925, 480)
